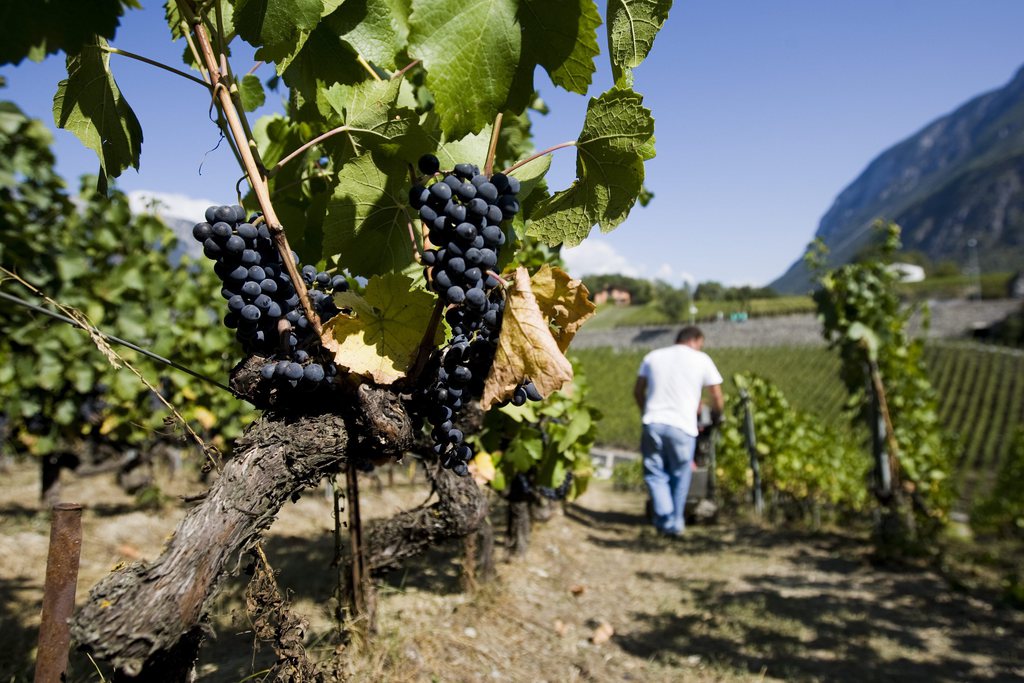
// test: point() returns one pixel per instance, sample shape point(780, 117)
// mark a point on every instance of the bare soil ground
point(597, 598)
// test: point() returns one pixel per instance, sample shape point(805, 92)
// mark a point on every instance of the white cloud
point(169, 205)
point(675, 278)
point(597, 257)
point(594, 257)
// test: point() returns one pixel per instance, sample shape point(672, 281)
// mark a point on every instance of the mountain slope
point(959, 178)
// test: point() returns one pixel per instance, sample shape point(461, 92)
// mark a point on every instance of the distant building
point(619, 297)
point(907, 272)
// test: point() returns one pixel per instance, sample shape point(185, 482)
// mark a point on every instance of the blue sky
point(764, 111)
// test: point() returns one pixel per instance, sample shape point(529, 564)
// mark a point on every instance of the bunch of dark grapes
point(559, 492)
point(463, 211)
point(522, 486)
point(263, 305)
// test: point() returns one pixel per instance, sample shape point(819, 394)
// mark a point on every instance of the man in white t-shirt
point(668, 390)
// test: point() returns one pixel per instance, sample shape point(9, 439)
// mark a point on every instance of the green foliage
point(1002, 511)
point(864, 321)
point(632, 27)
point(544, 27)
point(716, 291)
point(629, 475)
point(89, 104)
point(440, 37)
point(377, 83)
point(674, 303)
point(802, 458)
point(40, 28)
point(543, 440)
point(640, 291)
point(617, 137)
point(57, 388)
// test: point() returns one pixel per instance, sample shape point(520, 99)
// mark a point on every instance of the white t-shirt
point(676, 376)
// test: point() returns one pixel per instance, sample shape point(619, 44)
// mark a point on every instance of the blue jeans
point(668, 455)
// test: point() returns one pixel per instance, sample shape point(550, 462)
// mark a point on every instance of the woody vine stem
point(253, 169)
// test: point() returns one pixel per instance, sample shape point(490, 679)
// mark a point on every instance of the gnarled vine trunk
point(141, 616)
point(148, 619)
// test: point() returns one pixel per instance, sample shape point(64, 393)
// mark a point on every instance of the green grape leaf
point(370, 109)
point(610, 151)
point(378, 334)
point(89, 104)
point(579, 424)
point(250, 90)
point(275, 23)
point(300, 189)
point(470, 57)
point(321, 60)
point(367, 224)
point(530, 175)
point(377, 29)
point(37, 29)
point(562, 37)
point(173, 17)
point(632, 27)
point(469, 149)
point(526, 348)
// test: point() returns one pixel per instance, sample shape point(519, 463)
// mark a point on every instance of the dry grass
point(729, 603)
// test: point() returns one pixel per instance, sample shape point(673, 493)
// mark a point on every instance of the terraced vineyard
point(981, 390)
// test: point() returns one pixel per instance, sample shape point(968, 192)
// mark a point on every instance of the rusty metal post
point(59, 592)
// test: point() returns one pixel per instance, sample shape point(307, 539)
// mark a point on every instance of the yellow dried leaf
point(109, 424)
point(205, 417)
point(482, 468)
point(379, 333)
point(565, 301)
point(526, 348)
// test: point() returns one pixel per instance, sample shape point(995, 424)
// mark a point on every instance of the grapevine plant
point(866, 323)
point(369, 270)
point(62, 398)
point(802, 460)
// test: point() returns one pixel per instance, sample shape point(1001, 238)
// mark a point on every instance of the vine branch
point(401, 72)
point(256, 176)
point(549, 150)
point(153, 62)
point(315, 141)
point(492, 148)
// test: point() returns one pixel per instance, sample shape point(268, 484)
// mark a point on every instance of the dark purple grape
point(429, 164)
point(314, 372)
point(250, 313)
point(418, 196)
point(202, 232)
point(247, 231)
point(477, 207)
point(441, 191)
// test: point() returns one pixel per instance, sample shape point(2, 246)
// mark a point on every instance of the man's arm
point(717, 402)
point(640, 392)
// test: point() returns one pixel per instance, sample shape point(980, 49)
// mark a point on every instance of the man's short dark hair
point(689, 333)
